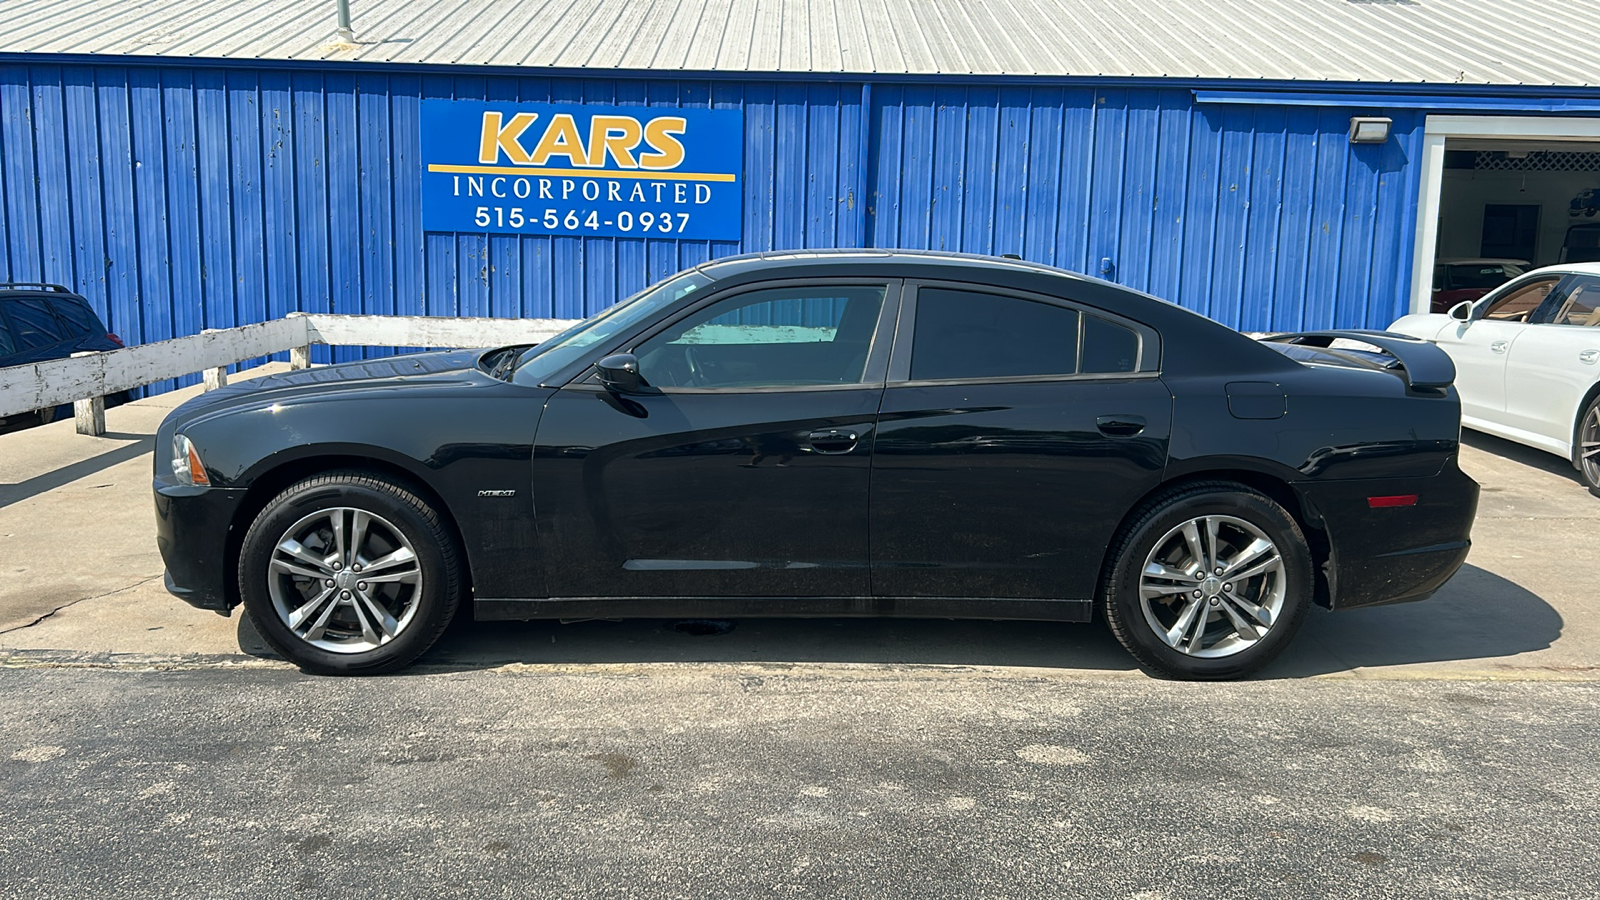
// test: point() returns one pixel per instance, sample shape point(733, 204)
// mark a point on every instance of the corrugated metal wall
point(178, 199)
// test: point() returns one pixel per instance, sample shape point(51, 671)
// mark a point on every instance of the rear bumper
point(192, 530)
point(1394, 554)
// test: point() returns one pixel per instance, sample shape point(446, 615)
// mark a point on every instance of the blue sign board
point(617, 171)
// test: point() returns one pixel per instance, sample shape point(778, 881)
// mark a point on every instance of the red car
point(1455, 280)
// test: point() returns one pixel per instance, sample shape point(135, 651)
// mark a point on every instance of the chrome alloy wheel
point(344, 580)
point(1589, 446)
point(1212, 587)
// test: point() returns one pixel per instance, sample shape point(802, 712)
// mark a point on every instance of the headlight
point(186, 462)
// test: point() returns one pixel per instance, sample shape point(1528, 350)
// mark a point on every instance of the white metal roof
point(1502, 42)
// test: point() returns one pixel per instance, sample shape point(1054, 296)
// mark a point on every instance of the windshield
point(539, 364)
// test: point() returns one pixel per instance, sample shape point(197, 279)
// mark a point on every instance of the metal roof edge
point(1214, 90)
point(1539, 101)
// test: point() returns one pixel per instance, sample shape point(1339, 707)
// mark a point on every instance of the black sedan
point(831, 434)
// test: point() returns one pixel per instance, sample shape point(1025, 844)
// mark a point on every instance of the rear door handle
point(1498, 346)
point(1120, 426)
point(833, 440)
point(1589, 356)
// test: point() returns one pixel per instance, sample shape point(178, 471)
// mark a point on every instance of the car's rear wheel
point(1208, 582)
point(349, 573)
point(1589, 447)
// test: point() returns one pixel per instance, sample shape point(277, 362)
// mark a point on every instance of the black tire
point(1589, 433)
point(398, 517)
point(1120, 598)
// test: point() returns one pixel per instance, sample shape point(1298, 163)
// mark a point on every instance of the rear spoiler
point(1422, 364)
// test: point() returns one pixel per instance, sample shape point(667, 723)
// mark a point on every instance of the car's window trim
point(873, 374)
point(1148, 362)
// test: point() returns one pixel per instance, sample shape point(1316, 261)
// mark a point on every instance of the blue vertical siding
point(178, 199)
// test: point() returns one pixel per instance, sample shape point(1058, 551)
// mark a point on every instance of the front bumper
point(193, 525)
point(1394, 554)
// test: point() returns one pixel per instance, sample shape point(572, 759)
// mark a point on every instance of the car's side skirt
point(500, 609)
point(1562, 449)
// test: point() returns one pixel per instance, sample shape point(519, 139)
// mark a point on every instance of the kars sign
point(539, 168)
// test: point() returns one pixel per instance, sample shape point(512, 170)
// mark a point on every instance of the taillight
point(115, 340)
point(1392, 501)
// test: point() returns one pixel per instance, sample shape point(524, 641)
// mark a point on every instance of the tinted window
point(32, 324)
point(771, 338)
point(6, 346)
point(1485, 275)
point(1517, 305)
point(555, 354)
point(965, 334)
point(78, 317)
point(1108, 347)
point(1582, 303)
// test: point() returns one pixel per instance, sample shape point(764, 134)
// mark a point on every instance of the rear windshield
point(1483, 275)
point(77, 316)
point(33, 325)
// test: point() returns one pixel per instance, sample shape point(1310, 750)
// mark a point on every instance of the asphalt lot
point(1443, 748)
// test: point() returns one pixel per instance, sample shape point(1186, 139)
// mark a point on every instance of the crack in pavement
point(52, 612)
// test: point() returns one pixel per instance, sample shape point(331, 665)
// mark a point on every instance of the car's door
point(741, 470)
point(1016, 432)
point(1479, 347)
point(1555, 361)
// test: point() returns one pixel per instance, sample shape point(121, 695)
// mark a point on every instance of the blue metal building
point(220, 164)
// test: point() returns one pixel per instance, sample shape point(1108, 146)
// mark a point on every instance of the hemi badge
point(1396, 500)
point(497, 493)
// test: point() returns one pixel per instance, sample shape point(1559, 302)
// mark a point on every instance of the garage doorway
point(1501, 194)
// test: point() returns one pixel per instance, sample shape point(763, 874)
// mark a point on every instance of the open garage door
point(1500, 195)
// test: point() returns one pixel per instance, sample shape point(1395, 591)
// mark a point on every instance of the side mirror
point(620, 372)
point(1462, 311)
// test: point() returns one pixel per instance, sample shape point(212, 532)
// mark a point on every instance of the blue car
point(39, 322)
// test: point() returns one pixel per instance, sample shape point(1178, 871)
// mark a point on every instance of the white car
point(1527, 361)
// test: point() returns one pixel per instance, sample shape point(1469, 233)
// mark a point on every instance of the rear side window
point(1108, 347)
point(32, 324)
point(966, 334)
point(78, 317)
point(7, 347)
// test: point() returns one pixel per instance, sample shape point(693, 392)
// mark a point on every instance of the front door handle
point(832, 440)
point(1589, 356)
point(1120, 426)
point(1498, 347)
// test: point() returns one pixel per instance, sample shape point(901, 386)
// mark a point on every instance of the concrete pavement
point(739, 781)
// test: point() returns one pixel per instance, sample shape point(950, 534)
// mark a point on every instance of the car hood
point(423, 372)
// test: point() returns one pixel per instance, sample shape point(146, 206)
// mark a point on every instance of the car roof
point(1573, 268)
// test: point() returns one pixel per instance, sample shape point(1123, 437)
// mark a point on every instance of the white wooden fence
point(86, 378)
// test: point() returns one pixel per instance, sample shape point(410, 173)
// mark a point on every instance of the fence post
point(300, 357)
point(214, 378)
point(90, 412)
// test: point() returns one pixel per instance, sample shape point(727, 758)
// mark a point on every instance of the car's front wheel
point(1210, 581)
point(348, 573)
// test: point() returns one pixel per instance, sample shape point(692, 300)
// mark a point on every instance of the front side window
point(1581, 306)
point(33, 325)
point(962, 334)
point(777, 337)
point(1519, 303)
